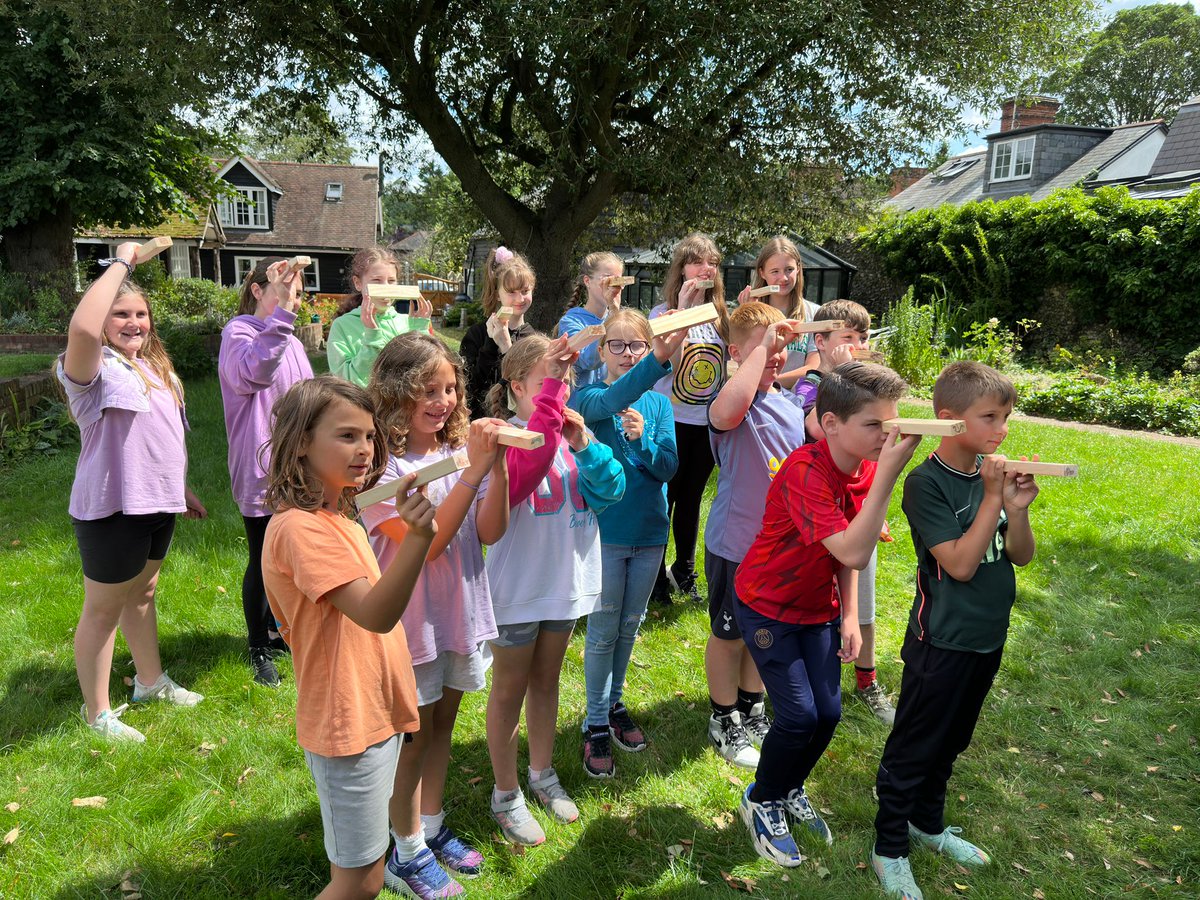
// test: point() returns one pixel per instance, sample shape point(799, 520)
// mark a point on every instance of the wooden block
point(298, 264)
point(706, 284)
point(511, 436)
point(619, 281)
point(439, 469)
point(939, 427)
point(1029, 467)
point(384, 294)
point(871, 356)
point(585, 336)
point(816, 327)
point(765, 290)
point(504, 313)
point(151, 249)
point(684, 318)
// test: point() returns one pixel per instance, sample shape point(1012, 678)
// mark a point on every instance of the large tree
point(1142, 65)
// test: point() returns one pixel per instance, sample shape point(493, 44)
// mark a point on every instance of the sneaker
point(877, 700)
point(164, 689)
point(687, 585)
point(661, 594)
point(802, 813)
point(730, 740)
point(109, 725)
point(279, 647)
point(597, 754)
point(627, 734)
point(896, 877)
point(768, 826)
point(550, 793)
point(262, 661)
point(516, 821)
point(757, 724)
point(948, 843)
point(419, 877)
point(455, 854)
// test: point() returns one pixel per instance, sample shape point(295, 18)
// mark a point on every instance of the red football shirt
point(788, 575)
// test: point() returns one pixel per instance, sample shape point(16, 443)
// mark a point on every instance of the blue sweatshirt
point(588, 368)
point(639, 519)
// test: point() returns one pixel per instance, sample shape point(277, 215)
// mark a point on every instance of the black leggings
point(685, 492)
point(259, 619)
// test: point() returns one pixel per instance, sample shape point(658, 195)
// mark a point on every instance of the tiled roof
point(1097, 158)
point(1181, 150)
point(958, 180)
point(206, 227)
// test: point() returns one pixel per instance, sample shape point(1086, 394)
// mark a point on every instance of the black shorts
point(720, 572)
point(117, 547)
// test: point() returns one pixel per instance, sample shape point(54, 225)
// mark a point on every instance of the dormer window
point(333, 191)
point(248, 209)
point(1012, 160)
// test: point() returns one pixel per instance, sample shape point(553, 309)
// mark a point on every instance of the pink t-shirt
point(132, 457)
point(451, 605)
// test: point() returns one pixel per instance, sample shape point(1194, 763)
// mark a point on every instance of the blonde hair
point(787, 247)
point(588, 267)
point(511, 275)
point(631, 317)
point(693, 249)
point(748, 316)
point(359, 263)
point(403, 368)
point(153, 351)
point(516, 365)
point(247, 302)
point(290, 484)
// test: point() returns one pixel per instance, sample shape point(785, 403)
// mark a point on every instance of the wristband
point(105, 263)
point(463, 481)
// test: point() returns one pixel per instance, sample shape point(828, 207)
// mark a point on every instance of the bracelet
point(463, 481)
point(105, 263)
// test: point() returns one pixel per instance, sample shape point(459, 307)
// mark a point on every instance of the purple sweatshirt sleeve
point(527, 468)
point(249, 361)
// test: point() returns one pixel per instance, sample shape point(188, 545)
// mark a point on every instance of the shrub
point(988, 343)
point(1126, 401)
point(46, 433)
point(913, 336)
point(186, 343)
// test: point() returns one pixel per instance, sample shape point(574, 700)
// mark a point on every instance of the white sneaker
point(515, 820)
point(164, 689)
point(730, 740)
point(554, 797)
point(108, 725)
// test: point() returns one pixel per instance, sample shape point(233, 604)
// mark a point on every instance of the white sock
point(499, 796)
point(535, 775)
point(407, 848)
point(433, 824)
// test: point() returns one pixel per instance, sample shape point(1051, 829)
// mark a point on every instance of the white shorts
point(456, 671)
point(354, 792)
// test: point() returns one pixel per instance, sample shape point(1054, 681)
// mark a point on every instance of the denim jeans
point(628, 578)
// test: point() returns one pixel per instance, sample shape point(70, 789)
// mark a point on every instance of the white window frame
point(1017, 159)
point(247, 211)
point(334, 191)
point(243, 264)
point(180, 261)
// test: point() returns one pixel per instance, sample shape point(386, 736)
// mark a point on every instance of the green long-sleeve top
point(352, 349)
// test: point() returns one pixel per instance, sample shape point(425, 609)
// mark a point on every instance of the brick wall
point(33, 343)
point(19, 396)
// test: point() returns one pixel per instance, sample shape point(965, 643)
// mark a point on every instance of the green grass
point(14, 364)
point(1085, 794)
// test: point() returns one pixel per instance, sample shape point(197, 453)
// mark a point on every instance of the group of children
point(393, 611)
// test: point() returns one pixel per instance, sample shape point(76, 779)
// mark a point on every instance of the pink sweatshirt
point(527, 468)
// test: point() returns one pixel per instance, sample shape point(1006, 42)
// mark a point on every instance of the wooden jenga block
point(1065, 470)
point(298, 264)
point(511, 436)
point(938, 427)
point(765, 290)
point(585, 336)
point(815, 327)
point(705, 284)
point(384, 294)
point(439, 469)
point(684, 318)
point(151, 249)
point(619, 281)
point(871, 356)
point(504, 313)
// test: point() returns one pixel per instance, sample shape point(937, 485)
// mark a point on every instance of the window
point(1013, 159)
point(181, 262)
point(333, 190)
point(243, 264)
point(247, 210)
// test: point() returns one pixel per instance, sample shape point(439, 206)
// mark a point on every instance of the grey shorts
point(354, 792)
point(522, 633)
point(866, 590)
point(456, 671)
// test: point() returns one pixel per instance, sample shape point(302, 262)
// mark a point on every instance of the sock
point(720, 710)
point(536, 775)
point(864, 677)
point(746, 701)
point(431, 825)
point(407, 848)
point(499, 796)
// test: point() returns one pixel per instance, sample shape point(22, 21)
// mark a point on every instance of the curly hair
point(290, 484)
point(398, 379)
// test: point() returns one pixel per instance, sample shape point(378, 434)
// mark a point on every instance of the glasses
point(637, 348)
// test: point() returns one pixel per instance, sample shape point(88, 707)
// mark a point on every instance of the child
point(507, 281)
point(417, 386)
point(797, 591)
point(260, 359)
point(637, 423)
point(753, 426)
point(698, 369)
point(544, 573)
point(970, 525)
point(129, 486)
point(779, 263)
point(361, 329)
point(834, 349)
point(594, 300)
point(354, 681)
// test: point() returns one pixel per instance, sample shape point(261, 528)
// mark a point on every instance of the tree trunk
point(551, 252)
point(43, 252)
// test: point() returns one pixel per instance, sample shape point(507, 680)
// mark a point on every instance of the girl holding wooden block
point(779, 264)
point(596, 297)
point(508, 283)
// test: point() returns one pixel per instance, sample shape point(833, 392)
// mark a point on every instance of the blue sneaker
point(420, 877)
point(768, 826)
point(802, 813)
point(948, 843)
point(895, 877)
point(455, 854)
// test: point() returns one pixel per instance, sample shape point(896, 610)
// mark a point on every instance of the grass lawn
point(1083, 779)
point(14, 364)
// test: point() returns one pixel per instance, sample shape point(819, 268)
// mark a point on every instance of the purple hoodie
point(259, 361)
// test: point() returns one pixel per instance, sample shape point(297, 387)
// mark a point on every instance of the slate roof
point(1121, 139)
point(958, 180)
point(1181, 150)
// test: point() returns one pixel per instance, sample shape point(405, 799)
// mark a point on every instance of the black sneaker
point(625, 732)
point(262, 661)
point(597, 754)
point(687, 585)
point(661, 595)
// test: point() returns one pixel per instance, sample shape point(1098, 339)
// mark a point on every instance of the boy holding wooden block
point(970, 525)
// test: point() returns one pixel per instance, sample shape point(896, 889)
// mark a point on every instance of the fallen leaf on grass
point(1171, 729)
point(1143, 863)
point(1149, 818)
point(1038, 895)
point(1099, 720)
point(220, 589)
point(739, 884)
point(1158, 739)
point(1096, 795)
point(1107, 864)
point(860, 865)
point(1020, 868)
point(11, 836)
point(1177, 828)
point(961, 887)
point(128, 681)
point(675, 850)
point(205, 748)
point(687, 842)
point(474, 781)
point(1067, 854)
point(130, 889)
point(246, 773)
point(723, 819)
point(1014, 749)
point(90, 802)
point(1152, 768)
point(822, 872)
point(680, 694)
point(12, 807)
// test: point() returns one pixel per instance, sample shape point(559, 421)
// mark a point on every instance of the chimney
point(1023, 112)
point(904, 177)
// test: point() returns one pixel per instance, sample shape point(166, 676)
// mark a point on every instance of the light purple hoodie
point(259, 361)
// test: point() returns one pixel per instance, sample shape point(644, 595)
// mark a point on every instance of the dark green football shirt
point(941, 503)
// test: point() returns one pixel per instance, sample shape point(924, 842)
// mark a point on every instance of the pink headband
point(503, 255)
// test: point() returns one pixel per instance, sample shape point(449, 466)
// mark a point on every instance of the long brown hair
point(290, 484)
point(588, 267)
point(359, 263)
point(511, 274)
point(784, 245)
point(398, 378)
point(153, 351)
point(247, 302)
point(516, 365)
point(693, 249)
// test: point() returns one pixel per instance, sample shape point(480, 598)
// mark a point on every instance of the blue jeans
point(628, 575)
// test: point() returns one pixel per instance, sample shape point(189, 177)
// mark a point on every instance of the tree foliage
point(436, 203)
point(1142, 65)
point(291, 126)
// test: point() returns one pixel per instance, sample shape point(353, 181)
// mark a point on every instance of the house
point(197, 240)
point(1176, 169)
point(1032, 155)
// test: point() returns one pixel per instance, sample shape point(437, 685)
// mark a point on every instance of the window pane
point(1003, 159)
point(181, 265)
point(1024, 160)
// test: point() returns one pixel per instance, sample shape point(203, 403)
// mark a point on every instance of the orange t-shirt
point(354, 687)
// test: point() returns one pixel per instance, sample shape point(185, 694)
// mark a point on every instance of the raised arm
point(85, 334)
